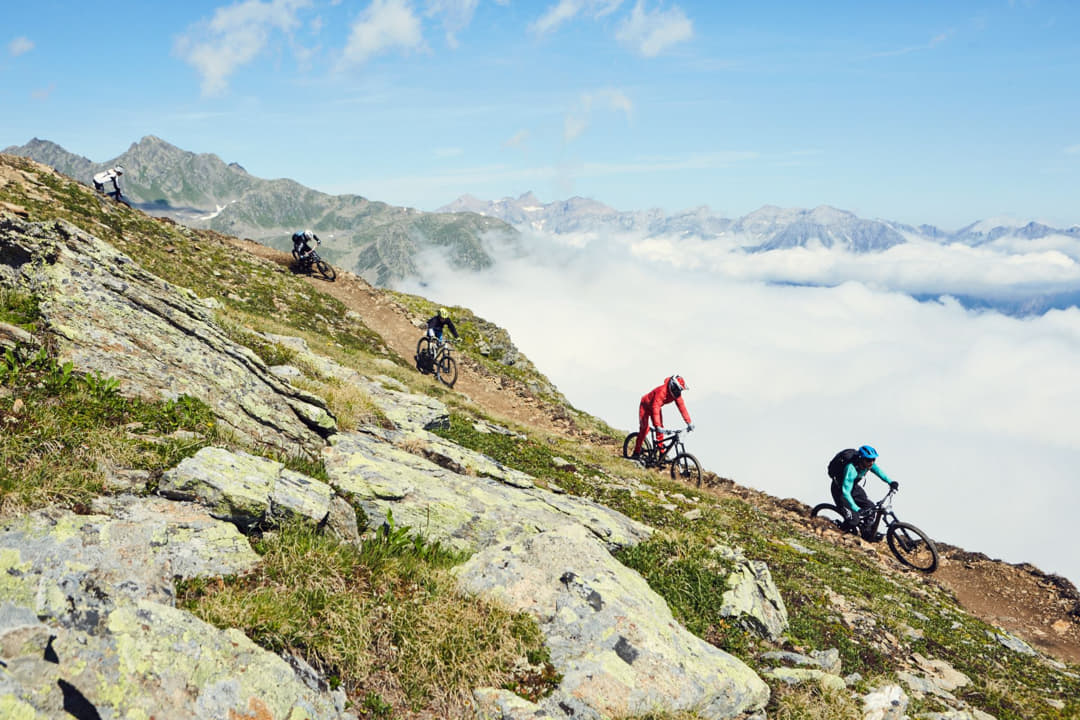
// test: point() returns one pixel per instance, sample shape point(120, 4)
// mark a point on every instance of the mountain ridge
point(372, 238)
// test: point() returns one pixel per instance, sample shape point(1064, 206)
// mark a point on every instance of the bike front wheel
point(912, 547)
point(687, 468)
point(326, 270)
point(446, 371)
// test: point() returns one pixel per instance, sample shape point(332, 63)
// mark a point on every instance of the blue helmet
point(867, 453)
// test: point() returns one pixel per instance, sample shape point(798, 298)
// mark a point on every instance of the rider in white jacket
point(112, 175)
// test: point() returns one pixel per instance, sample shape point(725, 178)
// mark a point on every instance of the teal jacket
point(853, 475)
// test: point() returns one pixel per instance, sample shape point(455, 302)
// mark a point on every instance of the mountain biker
point(847, 470)
point(438, 322)
point(112, 175)
point(301, 244)
point(651, 408)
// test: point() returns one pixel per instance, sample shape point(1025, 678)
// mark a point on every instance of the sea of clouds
point(974, 413)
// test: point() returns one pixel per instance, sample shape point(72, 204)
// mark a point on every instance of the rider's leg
point(658, 421)
point(643, 428)
point(866, 508)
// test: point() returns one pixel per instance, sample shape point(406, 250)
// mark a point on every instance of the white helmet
point(119, 170)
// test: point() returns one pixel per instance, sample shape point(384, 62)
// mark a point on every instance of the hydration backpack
point(840, 461)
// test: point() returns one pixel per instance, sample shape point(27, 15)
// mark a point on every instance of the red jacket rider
point(670, 390)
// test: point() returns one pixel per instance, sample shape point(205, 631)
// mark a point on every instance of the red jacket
point(657, 399)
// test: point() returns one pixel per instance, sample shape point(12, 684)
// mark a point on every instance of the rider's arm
point(679, 403)
point(881, 474)
point(850, 474)
point(450, 324)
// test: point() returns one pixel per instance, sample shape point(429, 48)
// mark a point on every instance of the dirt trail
point(1042, 609)
point(382, 314)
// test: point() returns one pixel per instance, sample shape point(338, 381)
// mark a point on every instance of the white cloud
point(650, 33)
point(577, 121)
point(974, 414)
point(234, 37)
point(566, 10)
point(1073, 150)
point(20, 46)
point(386, 24)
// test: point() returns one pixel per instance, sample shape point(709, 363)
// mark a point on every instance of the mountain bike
point(671, 452)
point(909, 544)
point(433, 356)
point(312, 263)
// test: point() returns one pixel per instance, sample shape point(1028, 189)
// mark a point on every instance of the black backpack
point(840, 461)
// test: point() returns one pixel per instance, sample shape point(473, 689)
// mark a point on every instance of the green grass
point(61, 430)
point(19, 309)
point(383, 620)
point(686, 571)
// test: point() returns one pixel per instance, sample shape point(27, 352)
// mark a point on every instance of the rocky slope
point(653, 598)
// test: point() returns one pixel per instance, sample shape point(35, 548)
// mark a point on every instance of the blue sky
point(943, 113)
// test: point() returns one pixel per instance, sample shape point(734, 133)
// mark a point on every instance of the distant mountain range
point(386, 243)
point(768, 228)
point(379, 241)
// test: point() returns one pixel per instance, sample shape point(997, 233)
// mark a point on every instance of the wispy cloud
point(43, 93)
point(449, 152)
point(566, 10)
point(234, 37)
point(578, 120)
point(932, 43)
point(649, 33)
point(1073, 150)
point(385, 25)
point(456, 15)
point(20, 46)
point(518, 140)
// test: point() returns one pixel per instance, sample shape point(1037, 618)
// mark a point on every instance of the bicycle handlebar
point(667, 431)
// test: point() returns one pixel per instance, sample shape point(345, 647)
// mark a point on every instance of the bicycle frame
point(883, 511)
point(672, 440)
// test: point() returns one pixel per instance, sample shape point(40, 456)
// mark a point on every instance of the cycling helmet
point(676, 385)
point(444, 313)
point(119, 170)
point(867, 453)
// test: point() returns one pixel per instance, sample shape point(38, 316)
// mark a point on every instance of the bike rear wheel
point(446, 370)
point(424, 354)
point(830, 512)
point(326, 270)
point(912, 547)
point(687, 468)
point(630, 441)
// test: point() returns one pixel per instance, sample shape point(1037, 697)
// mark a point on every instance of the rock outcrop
point(108, 315)
point(87, 620)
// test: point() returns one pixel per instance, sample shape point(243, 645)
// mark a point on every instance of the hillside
point(378, 241)
point(224, 485)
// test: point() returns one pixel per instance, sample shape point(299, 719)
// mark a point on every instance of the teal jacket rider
point(852, 475)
